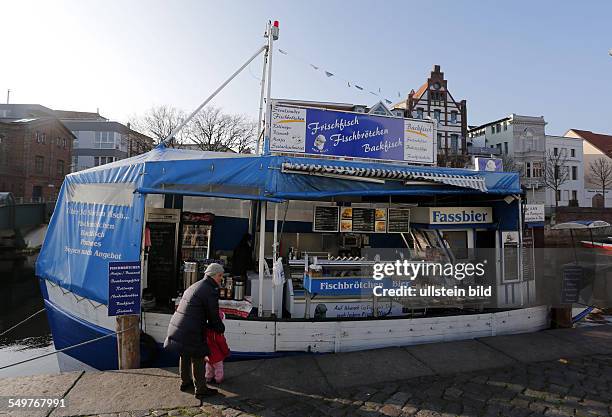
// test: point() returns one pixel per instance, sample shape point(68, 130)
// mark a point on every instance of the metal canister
point(190, 274)
point(239, 287)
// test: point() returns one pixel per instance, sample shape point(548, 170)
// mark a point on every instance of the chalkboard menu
point(363, 220)
point(398, 220)
point(572, 279)
point(325, 219)
point(161, 265)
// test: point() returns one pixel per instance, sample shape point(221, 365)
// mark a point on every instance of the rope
point(21, 322)
point(67, 348)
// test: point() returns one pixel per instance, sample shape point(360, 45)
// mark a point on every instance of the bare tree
point(600, 174)
point(213, 130)
point(556, 172)
point(509, 163)
point(159, 121)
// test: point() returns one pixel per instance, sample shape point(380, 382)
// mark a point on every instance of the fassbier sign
point(358, 135)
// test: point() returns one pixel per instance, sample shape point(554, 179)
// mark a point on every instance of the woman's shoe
point(208, 392)
point(188, 387)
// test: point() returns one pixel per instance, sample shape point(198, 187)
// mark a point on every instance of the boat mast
point(272, 31)
point(272, 35)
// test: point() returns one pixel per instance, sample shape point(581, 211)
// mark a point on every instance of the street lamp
point(610, 52)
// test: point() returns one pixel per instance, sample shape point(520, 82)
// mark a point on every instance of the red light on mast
point(276, 23)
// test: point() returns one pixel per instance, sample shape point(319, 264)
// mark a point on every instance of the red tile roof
point(600, 141)
point(421, 90)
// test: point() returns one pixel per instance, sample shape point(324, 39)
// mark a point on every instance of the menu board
point(398, 220)
point(325, 219)
point(572, 280)
point(363, 220)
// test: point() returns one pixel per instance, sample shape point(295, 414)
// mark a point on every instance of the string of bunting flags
point(350, 84)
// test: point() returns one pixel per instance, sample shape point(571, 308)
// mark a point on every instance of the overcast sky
point(536, 58)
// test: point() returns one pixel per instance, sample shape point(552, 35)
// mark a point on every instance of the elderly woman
point(198, 310)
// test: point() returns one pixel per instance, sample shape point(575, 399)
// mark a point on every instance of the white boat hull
point(260, 338)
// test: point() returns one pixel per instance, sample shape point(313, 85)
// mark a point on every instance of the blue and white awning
point(381, 174)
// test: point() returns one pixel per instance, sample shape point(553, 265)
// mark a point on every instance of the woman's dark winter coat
point(198, 310)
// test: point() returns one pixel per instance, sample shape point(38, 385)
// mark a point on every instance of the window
point(574, 195)
point(556, 151)
point(101, 160)
point(64, 143)
point(453, 117)
point(505, 125)
point(498, 127)
point(419, 113)
point(60, 168)
point(39, 164)
point(528, 169)
point(440, 141)
point(574, 172)
point(558, 195)
point(454, 141)
point(537, 169)
point(437, 115)
point(492, 129)
point(499, 147)
point(36, 193)
point(573, 153)
point(506, 148)
point(104, 140)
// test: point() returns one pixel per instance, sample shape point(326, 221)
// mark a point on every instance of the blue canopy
point(98, 218)
point(172, 171)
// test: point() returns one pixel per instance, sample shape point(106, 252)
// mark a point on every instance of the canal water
point(20, 297)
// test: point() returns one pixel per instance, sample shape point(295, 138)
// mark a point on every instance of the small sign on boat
point(572, 279)
point(123, 288)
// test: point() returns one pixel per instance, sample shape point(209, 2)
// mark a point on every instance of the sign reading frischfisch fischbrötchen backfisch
point(358, 135)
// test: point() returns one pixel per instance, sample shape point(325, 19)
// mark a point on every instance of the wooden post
point(128, 342)
point(562, 317)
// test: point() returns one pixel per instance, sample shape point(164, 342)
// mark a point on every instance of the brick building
point(35, 156)
point(98, 140)
point(434, 100)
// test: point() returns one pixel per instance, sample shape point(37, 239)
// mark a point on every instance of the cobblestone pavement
point(572, 387)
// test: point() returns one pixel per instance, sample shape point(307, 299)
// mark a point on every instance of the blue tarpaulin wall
point(99, 213)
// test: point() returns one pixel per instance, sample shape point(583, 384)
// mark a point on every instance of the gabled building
point(434, 100)
point(594, 147)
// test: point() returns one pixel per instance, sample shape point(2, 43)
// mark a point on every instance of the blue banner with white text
point(357, 135)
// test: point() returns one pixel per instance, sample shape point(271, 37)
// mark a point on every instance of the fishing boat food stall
point(128, 237)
